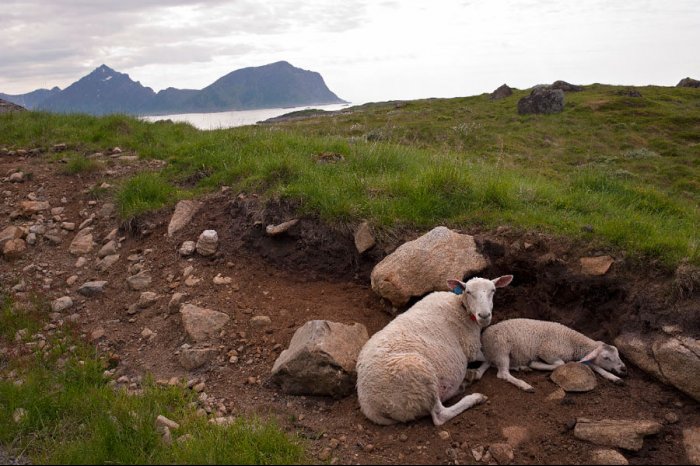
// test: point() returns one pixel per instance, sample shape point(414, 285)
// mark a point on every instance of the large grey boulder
point(202, 324)
point(321, 359)
point(542, 100)
point(425, 264)
point(566, 87)
point(688, 82)
point(674, 360)
point(616, 433)
point(502, 92)
point(184, 211)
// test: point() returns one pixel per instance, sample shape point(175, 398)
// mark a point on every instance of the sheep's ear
point(456, 286)
point(500, 282)
point(592, 355)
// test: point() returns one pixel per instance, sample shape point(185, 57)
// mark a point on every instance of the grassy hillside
point(625, 168)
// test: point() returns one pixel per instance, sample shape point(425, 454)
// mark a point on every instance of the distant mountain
point(31, 99)
point(100, 92)
point(105, 91)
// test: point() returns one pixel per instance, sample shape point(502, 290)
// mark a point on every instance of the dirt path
point(291, 284)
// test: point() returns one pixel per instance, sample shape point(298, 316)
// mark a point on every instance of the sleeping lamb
point(407, 369)
point(524, 344)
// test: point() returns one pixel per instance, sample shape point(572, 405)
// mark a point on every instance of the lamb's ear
point(456, 286)
point(500, 282)
point(592, 355)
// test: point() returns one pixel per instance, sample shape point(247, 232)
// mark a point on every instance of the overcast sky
point(366, 50)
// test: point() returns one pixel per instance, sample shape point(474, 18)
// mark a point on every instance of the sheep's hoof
point(482, 398)
point(529, 389)
point(618, 382)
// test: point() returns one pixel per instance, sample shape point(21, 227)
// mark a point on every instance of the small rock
point(274, 230)
point(260, 321)
point(574, 377)
point(108, 249)
point(82, 243)
point(192, 280)
point(106, 262)
point(219, 280)
point(59, 147)
point(187, 248)
point(325, 454)
point(207, 243)
point(80, 262)
point(607, 456)
point(14, 248)
point(29, 208)
point(691, 442)
point(17, 177)
point(199, 387)
point(616, 433)
point(69, 226)
point(671, 418)
point(97, 334)
point(596, 265)
point(147, 299)
point(184, 211)
point(9, 233)
point(147, 333)
point(61, 304)
point(162, 421)
point(502, 453)
point(18, 415)
point(140, 281)
point(202, 324)
point(175, 301)
point(91, 289)
point(70, 281)
point(363, 238)
point(478, 453)
point(444, 435)
point(193, 358)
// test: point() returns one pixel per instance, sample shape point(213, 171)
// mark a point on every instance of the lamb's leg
point(441, 414)
point(607, 375)
point(482, 369)
point(543, 366)
point(503, 364)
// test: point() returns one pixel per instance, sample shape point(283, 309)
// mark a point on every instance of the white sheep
point(524, 344)
point(407, 369)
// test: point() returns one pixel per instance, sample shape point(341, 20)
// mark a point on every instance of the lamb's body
point(543, 345)
point(421, 353)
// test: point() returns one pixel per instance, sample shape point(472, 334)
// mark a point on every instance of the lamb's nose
point(483, 316)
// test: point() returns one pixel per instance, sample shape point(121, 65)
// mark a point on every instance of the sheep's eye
point(607, 358)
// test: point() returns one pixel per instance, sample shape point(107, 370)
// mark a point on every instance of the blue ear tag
point(458, 290)
point(587, 362)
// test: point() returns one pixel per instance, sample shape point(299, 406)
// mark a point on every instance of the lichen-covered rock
point(61, 304)
point(321, 359)
point(425, 264)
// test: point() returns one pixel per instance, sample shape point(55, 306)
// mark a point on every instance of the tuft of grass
point(72, 415)
point(78, 164)
point(144, 192)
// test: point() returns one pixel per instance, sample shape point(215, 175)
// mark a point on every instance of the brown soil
point(314, 272)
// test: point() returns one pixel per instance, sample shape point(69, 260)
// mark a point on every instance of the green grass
point(73, 416)
point(629, 167)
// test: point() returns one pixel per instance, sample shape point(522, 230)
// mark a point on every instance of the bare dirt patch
point(314, 272)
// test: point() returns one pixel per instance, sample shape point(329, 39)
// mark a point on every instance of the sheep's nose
point(623, 370)
point(484, 316)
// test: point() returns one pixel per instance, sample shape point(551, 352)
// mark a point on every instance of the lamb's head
point(477, 296)
point(607, 357)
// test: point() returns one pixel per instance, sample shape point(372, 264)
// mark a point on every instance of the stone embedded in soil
point(93, 288)
point(425, 264)
point(219, 280)
point(97, 334)
point(202, 324)
point(207, 243)
point(574, 377)
point(175, 301)
point(672, 359)
point(140, 281)
point(616, 433)
point(61, 304)
point(274, 230)
point(82, 243)
point(184, 211)
point(596, 265)
point(68, 226)
point(260, 322)
point(108, 249)
point(147, 299)
point(321, 359)
point(147, 333)
point(187, 248)
point(607, 456)
point(363, 238)
point(106, 262)
point(10, 233)
point(162, 421)
point(14, 248)
point(193, 358)
point(691, 442)
point(17, 177)
point(80, 262)
point(33, 207)
point(502, 453)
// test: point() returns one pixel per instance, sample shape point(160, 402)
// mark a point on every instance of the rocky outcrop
point(688, 82)
point(616, 433)
point(502, 92)
point(672, 359)
point(7, 107)
point(321, 359)
point(566, 87)
point(542, 100)
point(425, 264)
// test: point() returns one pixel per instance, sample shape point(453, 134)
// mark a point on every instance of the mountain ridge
point(105, 91)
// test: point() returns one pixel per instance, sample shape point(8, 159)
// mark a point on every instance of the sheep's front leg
point(441, 414)
point(607, 375)
point(542, 366)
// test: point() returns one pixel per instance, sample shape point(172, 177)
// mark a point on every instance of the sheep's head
point(607, 357)
point(477, 296)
